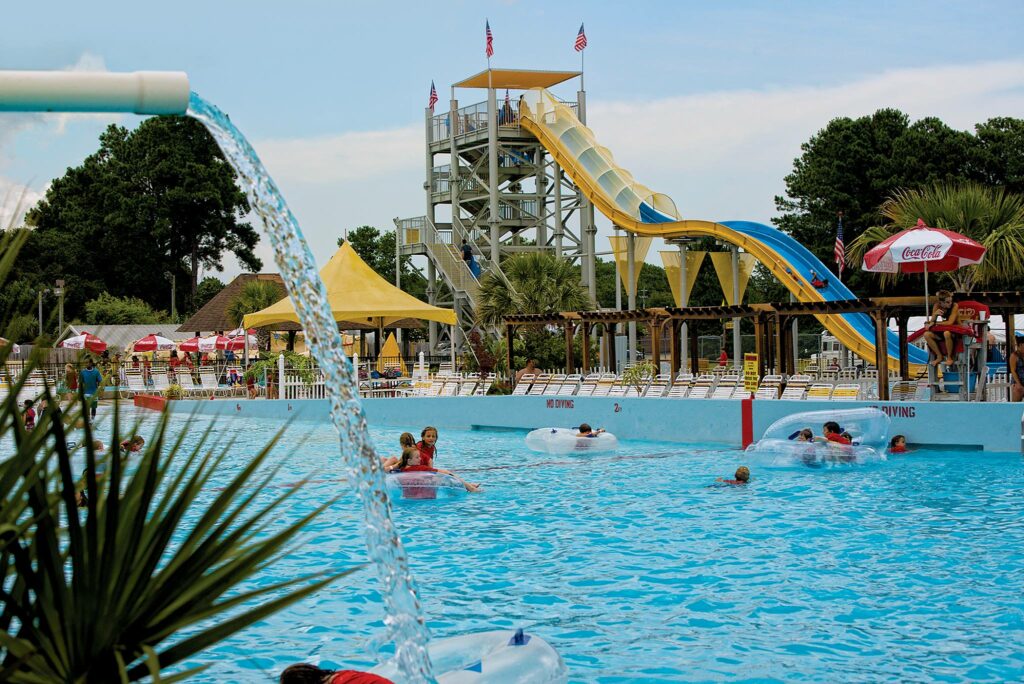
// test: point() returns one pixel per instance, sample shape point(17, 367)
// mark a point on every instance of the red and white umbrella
point(212, 343)
point(15, 349)
point(86, 341)
point(153, 342)
point(922, 249)
point(191, 345)
point(237, 341)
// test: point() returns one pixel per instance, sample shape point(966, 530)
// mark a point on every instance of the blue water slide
point(801, 259)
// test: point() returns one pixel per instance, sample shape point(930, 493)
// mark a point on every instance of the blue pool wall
point(994, 427)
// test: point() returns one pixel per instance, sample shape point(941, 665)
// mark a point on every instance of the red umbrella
point(921, 249)
point(237, 340)
point(153, 342)
point(84, 341)
point(191, 345)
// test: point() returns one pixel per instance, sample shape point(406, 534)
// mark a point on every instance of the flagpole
point(582, 53)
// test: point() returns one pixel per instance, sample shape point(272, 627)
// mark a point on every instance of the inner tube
point(494, 657)
point(868, 427)
point(564, 441)
point(423, 485)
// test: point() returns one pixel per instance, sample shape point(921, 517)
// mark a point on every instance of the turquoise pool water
point(637, 570)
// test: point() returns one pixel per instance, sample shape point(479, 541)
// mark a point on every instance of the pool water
point(637, 569)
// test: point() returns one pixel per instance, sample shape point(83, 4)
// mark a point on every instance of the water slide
point(638, 209)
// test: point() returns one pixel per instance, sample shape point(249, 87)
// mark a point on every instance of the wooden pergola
point(772, 332)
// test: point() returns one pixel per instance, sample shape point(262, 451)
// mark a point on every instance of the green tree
point(255, 296)
point(157, 199)
point(853, 165)
point(208, 288)
point(991, 216)
point(541, 283)
point(998, 156)
point(110, 310)
point(378, 251)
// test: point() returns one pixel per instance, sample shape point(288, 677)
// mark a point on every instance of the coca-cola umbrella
point(153, 342)
point(237, 341)
point(212, 343)
point(86, 341)
point(922, 249)
point(189, 346)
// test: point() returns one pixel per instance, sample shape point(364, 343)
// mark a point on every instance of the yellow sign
point(750, 377)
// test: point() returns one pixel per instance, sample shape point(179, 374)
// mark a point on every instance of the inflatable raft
point(496, 657)
point(565, 441)
point(781, 447)
point(423, 485)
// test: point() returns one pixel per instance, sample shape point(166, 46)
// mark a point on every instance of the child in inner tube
point(405, 441)
point(304, 673)
point(587, 431)
point(834, 435)
point(411, 462)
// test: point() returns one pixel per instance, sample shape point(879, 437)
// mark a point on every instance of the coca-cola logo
point(925, 253)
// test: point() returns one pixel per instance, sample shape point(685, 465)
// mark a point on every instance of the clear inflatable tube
point(495, 657)
point(423, 485)
point(868, 428)
point(565, 441)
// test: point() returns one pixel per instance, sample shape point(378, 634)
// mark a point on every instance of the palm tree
point(540, 283)
point(989, 215)
point(256, 295)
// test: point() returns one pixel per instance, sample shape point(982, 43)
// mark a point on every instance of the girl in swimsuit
point(951, 315)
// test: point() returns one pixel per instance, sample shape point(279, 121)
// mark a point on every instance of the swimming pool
point(637, 571)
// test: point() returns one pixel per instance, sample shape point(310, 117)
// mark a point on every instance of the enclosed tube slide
point(636, 208)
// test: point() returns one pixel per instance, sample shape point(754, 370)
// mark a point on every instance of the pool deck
point(991, 427)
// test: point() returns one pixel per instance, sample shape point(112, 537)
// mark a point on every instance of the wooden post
point(881, 353)
point(655, 331)
point(508, 351)
point(609, 336)
point(570, 361)
point(779, 324)
point(585, 329)
point(788, 362)
point(759, 344)
point(901, 322)
point(694, 351)
point(673, 336)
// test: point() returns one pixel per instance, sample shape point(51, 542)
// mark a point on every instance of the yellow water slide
point(636, 208)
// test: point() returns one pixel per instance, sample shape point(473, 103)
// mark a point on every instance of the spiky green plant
point(541, 283)
point(989, 215)
point(103, 593)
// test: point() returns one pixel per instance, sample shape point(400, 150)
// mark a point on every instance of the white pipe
point(139, 92)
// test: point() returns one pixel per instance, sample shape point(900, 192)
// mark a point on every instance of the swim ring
point(494, 657)
point(564, 441)
point(869, 428)
point(423, 485)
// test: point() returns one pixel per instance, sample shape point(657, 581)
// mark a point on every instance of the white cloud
point(15, 200)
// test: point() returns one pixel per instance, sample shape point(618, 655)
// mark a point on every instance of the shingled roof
point(214, 314)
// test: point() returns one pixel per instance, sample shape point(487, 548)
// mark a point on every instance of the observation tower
point(492, 183)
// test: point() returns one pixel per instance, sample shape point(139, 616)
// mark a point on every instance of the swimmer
point(898, 445)
point(587, 431)
point(133, 445)
point(412, 462)
point(405, 441)
point(304, 673)
point(427, 445)
point(30, 415)
point(741, 477)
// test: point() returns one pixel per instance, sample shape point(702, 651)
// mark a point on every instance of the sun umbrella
point(191, 345)
point(15, 349)
point(153, 342)
point(237, 341)
point(212, 343)
point(86, 341)
point(921, 249)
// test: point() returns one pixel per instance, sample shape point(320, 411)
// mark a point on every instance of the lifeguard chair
point(971, 353)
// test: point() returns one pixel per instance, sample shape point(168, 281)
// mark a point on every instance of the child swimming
point(741, 477)
point(898, 445)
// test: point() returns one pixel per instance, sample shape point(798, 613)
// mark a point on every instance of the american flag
point(490, 41)
point(581, 39)
point(840, 251)
point(433, 96)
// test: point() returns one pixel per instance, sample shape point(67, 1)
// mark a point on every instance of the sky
point(706, 102)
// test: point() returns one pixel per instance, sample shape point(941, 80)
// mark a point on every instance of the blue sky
point(707, 102)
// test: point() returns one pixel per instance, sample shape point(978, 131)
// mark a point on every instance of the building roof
point(518, 79)
point(214, 314)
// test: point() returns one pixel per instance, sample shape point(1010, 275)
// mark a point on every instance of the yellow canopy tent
point(357, 295)
point(390, 356)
